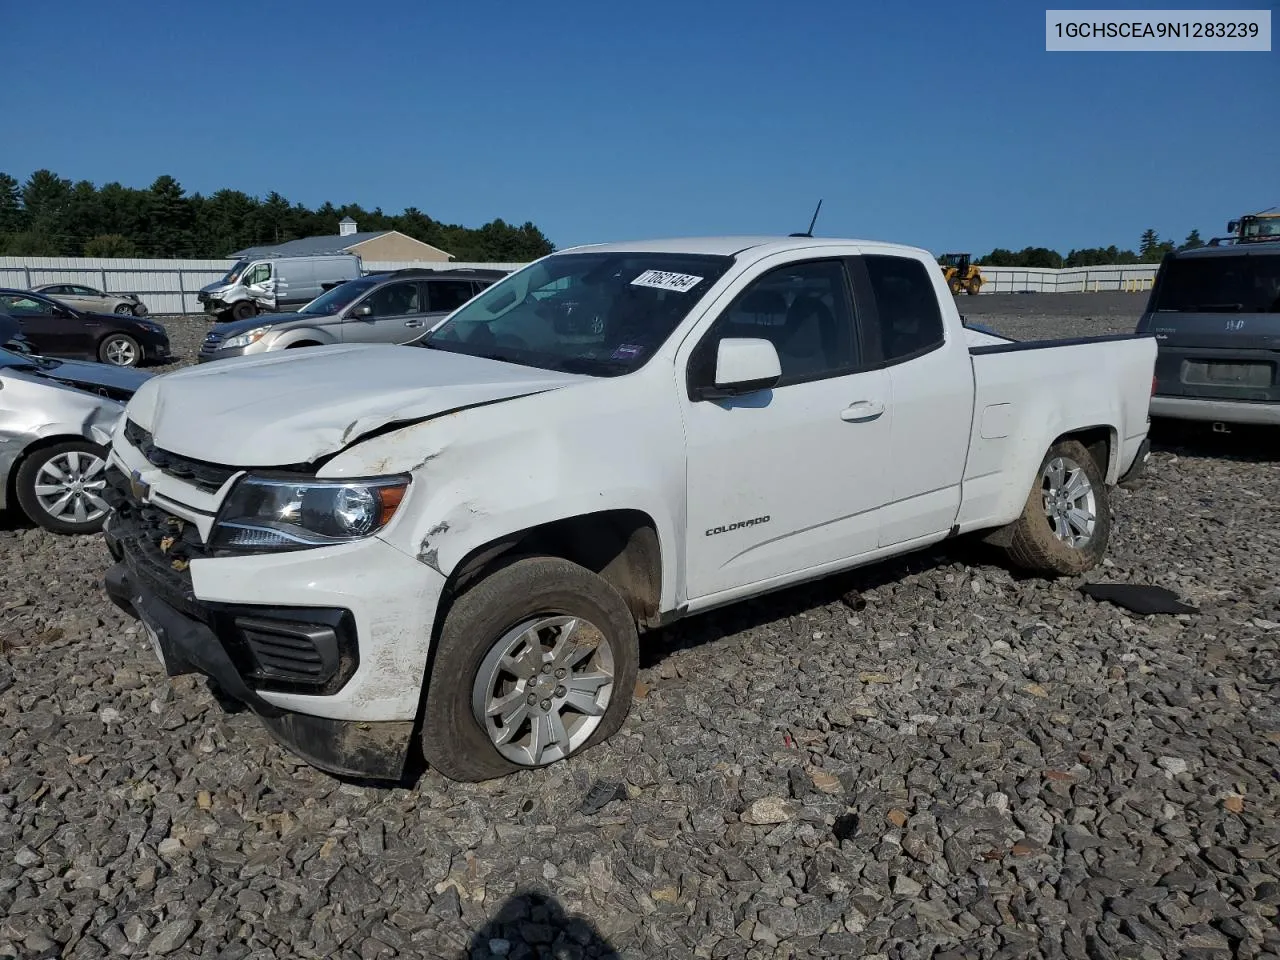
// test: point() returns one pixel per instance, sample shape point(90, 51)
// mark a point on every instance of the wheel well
point(11, 481)
point(1097, 440)
point(621, 546)
point(303, 343)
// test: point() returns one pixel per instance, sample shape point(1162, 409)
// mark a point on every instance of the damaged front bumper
point(328, 647)
point(183, 644)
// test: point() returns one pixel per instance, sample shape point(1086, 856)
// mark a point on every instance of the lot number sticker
point(662, 280)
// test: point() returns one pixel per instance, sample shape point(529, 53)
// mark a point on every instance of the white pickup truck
point(456, 546)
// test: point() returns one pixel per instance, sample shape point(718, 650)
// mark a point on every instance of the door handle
point(862, 411)
point(413, 323)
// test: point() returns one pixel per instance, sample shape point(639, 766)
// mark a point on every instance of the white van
point(270, 284)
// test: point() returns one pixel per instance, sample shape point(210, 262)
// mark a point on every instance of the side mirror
point(364, 310)
point(743, 365)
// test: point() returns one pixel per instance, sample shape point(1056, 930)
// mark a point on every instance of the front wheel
point(536, 663)
point(124, 310)
point(120, 350)
point(244, 310)
point(60, 487)
point(1066, 522)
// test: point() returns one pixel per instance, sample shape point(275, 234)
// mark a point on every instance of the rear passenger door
point(931, 393)
point(787, 479)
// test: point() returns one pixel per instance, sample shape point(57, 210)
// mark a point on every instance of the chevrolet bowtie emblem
point(138, 486)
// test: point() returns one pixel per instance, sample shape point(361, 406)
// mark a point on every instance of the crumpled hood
point(294, 406)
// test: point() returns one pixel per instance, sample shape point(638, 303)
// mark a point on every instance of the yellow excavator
point(961, 274)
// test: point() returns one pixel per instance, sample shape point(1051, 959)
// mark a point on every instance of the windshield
point(597, 313)
point(1261, 227)
point(340, 297)
point(1242, 283)
point(234, 273)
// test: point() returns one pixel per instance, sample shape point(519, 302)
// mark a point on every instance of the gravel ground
point(928, 758)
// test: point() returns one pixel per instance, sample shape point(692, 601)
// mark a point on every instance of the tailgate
point(1217, 356)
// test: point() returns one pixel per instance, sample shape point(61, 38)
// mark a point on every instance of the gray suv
point(1215, 314)
point(396, 307)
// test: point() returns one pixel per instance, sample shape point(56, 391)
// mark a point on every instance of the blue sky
point(942, 125)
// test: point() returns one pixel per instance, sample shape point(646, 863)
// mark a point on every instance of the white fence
point(170, 286)
point(165, 286)
point(1129, 279)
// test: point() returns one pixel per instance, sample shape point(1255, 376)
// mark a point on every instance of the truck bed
point(1027, 392)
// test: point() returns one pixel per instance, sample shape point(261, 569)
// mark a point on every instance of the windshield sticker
point(664, 280)
point(628, 351)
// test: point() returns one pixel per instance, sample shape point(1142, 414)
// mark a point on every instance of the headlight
point(264, 513)
point(149, 326)
point(246, 338)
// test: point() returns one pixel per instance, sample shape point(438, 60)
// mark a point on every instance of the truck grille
point(159, 547)
point(208, 477)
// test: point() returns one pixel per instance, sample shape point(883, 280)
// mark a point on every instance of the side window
point(804, 309)
point(57, 291)
point(259, 274)
point(448, 295)
point(395, 300)
point(20, 306)
point(81, 291)
point(910, 320)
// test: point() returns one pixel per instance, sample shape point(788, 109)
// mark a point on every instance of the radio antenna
point(809, 232)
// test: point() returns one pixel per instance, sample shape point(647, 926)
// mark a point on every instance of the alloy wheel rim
point(69, 487)
point(121, 353)
point(1070, 502)
point(543, 688)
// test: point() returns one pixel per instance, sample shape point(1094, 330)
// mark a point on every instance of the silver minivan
point(396, 307)
point(267, 284)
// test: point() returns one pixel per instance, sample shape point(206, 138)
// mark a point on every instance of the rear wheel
point(60, 487)
point(973, 287)
point(536, 662)
point(956, 286)
point(1066, 522)
point(244, 310)
point(120, 350)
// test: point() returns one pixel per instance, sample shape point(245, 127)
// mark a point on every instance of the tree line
point(1151, 249)
point(49, 216)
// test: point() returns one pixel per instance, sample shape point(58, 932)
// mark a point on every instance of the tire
point(120, 350)
point(486, 620)
point(973, 287)
point(244, 310)
point(956, 287)
point(37, 479)
point(1036, 542)
point(123, 310)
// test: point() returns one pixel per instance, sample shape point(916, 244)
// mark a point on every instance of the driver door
point(394, 313)
point(52, 328)
point(260, 280)
point(790, 478)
